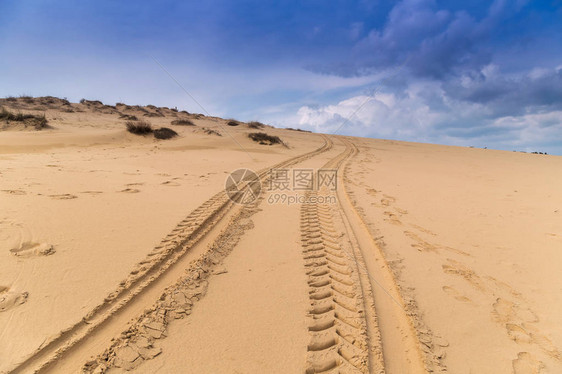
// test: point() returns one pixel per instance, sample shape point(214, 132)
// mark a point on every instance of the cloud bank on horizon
point(462, 73)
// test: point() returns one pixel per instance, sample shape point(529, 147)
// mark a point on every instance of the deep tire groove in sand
point(420, 353)
point(343, 337)
point(347, 303)
point(188, 232)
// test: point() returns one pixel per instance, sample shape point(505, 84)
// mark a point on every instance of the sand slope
point(121, 252)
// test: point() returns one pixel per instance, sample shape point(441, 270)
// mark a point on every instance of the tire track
point(344, 335)
point(165, 255)
point(406, 343)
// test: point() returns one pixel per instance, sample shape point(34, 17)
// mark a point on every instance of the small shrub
point(139, 127)
point(209, 131)
point(183, 122)
point(91, 102)
point(255, 125)
point(292, 129)
point(128, 117)
point(233, 123)
point(149, 114)
point(39, 122)
point(164, 133)
point(11, 98)
point(263, 138)
point(27, 99)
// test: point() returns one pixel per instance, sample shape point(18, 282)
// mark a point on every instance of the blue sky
point(480, 73)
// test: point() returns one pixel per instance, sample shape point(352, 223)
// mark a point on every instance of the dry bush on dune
point(292, 129)
point(91, 102)
point(139, 127)
point(27, 99)
point(255, 125)
point(128, 117)
point(38, 122)
point(164, 133)
point(263, 138)
point(209, 131)
point(232, 123)
point(53, 102)
point(183, 122)
point(150, 114)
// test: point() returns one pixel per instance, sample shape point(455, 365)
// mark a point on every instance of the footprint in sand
point(387, 200)
point(15, 192)
point(456, 268)
point(171, 184)
point(130, 190)
point(93, 193)
point(372, 191)
point(10, 299)
point(456, 294)
point(392, 218)
point(65, 196)
point(423, 229)
point(400, 211)
point(525, 363)
point(30, 249)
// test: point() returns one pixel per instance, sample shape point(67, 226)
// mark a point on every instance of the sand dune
point(121, 252)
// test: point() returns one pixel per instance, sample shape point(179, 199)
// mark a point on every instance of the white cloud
point(436, 118)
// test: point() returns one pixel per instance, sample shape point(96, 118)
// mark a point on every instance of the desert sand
point(125, 253)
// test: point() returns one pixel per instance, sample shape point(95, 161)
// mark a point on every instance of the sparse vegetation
point(164, 133)
point(183, 122)
point(255, 125)
point(128, 117)
point(150, 114)
point(292, 129)
point(27, 99)
point(232, 123)
point(91, 102)
point(139, 127)
point(38, 122)
point(265, 139)
point(209, 131)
